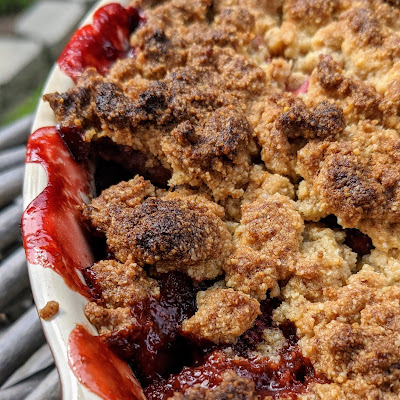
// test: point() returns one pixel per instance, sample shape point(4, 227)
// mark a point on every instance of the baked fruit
point(248, 198)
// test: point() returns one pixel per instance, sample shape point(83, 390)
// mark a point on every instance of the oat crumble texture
point(49, 310)
point(279, 124)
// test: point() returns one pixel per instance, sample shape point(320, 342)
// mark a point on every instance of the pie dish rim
point(46, 284)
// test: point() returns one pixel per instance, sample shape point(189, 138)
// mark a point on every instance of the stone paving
point(32, 43)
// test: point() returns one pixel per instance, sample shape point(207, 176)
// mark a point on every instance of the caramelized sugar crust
point(232, 387)
point(172, 232)
point(222, 316)
point(274, 117)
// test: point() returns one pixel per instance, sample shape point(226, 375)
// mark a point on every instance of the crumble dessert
point(49, 310)
point(248, 177)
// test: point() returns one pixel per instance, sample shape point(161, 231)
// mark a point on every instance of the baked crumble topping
point(49, 310)
point(222, 316)
point(232, 387)
point(268, 132)
point(171, 232)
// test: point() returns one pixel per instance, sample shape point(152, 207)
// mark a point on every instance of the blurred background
point(32, 35)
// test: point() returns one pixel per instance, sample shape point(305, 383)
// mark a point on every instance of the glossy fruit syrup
point(165, 361)
point(285, 376)
point(155, 348)
point(99, 44)
point(99, 369)
point(52, 233)
point(54, 237)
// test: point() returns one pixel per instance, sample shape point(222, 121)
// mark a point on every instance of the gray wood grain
point(13, 277)
point(16, 133)
point(48, 389)
point(12, 157)
point(19, 342)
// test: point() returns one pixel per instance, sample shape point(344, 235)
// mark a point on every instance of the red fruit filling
point(102, 42)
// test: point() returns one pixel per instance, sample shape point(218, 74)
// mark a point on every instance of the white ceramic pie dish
point(47, 285)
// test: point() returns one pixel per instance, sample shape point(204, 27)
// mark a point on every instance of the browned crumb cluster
point(273, 117)
point(111, 320)
point(352, 337)
point(49, 310)
point(121, 286)
point(267, 241)
point(232, 387)
point(169, 232)
point(222, 316)
point(357, 180)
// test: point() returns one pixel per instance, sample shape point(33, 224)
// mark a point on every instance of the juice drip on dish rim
point(99, 369)
point(52, 233)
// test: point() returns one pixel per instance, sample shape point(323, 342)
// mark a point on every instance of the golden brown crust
point(109, 320)
point(49, 310)
point(267, 240)
point(310, 11)
point(222, 315)
point(217, 148)
point(172, 233)
point(351, 337)
point(105, 209)
point(122, 285)
point(359, 100)
point(323, 261)
point(394, 3)
point(357, 180)
point(232, 387)
point(324, 121)
point(251, 272)
point(269, 115)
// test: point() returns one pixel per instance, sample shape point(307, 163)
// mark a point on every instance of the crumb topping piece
point(352, 336)
point(110, 320)
point(169, 233)
point(117, 287)
point(49, 310)
point(268, 239)
point(122, 285)
point(222, 316)
point(104, 210)
point(357, 180)
point(173, 234)
point(232, 387)
point(324, 261)
point(358, 99)
point(324, 121)
point(210, 153)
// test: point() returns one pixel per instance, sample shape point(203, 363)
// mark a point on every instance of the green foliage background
point(13, 6)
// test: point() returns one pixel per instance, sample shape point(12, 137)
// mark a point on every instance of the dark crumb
point(233, 387)
point(325, 121)
point(394, 3)
point(330, 221)
point(358, 242)
point(49, 310)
